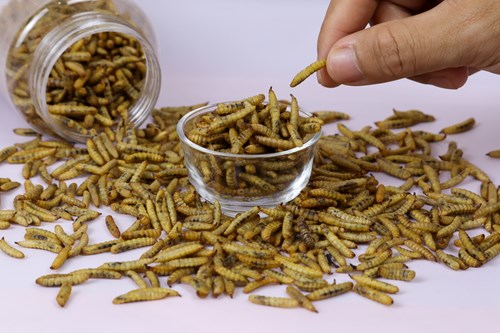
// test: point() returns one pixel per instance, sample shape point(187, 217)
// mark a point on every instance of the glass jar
point(74, 67)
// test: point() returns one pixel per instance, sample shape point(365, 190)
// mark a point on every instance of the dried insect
point(57, 280)
point(274, 301)
point(239, 219)
point(301, 298)
point(134, 265)
point(448, 260)
point(138, 280)
point(494, 154)
point(375, 284)
point(61, 258)
point(41, 245)
point(337, 243)
point(226, 108)
point(373, 294)
point(64, 294)
point(5, 153)
point(9, 250)
point(112, 227)
point(132, 244)
point(396, 274)
point(379, 259)
point(470, 247)
point(303, 270)
point(177, 252)
point(330, 291)
point(142, 295)
point(331, 116)
point(254, 285)
point(308, 71)
point(459, 127)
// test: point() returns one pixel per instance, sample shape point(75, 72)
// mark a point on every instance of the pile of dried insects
point(92, 83)
point(254, 149)
point(254, 127)
point(344, 211)
point(96, 81)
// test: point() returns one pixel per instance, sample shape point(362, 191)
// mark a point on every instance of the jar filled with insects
point(76, 68)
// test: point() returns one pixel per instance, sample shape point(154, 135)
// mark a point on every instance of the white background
point(229, 49)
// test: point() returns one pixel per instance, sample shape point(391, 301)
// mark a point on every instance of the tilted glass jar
point(73, 67)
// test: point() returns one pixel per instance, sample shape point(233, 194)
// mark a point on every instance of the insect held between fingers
point(308, 71)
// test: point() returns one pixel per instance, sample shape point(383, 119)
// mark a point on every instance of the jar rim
point(205, 109)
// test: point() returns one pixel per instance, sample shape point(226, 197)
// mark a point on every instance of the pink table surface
point(224, 50)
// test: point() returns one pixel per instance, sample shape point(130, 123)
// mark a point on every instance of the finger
point(473, 71)
point(451, 78)
point(342, 18)
point(408, 47)
point(388, 11)
point(411, 5)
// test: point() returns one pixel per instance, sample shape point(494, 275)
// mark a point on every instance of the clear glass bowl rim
point(205, 109)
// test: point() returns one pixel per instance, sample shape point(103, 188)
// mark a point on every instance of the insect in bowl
point(244, 180)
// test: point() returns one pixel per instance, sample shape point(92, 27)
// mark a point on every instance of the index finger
point(342, 18)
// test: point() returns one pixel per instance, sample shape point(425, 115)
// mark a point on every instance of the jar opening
point(136, 76)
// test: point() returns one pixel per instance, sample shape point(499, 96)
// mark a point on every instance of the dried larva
point(459, 127)
point(375, 284)
point(61, 258)
point(308, 71)
point(274, 301)
point(148, 294)
point(330, 291)
point(494, 154)
point(373, 294)
point(64, 294)
point(301, 269)
point(301, 298)
point(112, 227)
point(9, 250)
point(57, 280)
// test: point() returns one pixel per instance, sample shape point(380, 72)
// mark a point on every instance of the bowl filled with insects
point(250, 152)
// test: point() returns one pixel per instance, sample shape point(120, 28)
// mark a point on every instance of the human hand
point(429, 41)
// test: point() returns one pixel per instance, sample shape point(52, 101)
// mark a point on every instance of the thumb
point(410, 47)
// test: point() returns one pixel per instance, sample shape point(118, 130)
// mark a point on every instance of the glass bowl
point(242, 181)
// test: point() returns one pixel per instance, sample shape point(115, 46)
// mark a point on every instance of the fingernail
point(342, 62)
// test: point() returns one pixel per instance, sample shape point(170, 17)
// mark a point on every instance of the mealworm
point(9, 250)
point(459, 127)
point(308, 71)
point(142, 295)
